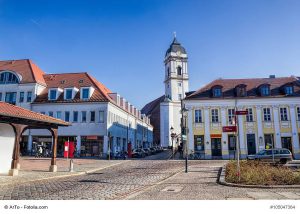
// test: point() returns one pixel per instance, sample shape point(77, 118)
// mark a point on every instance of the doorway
point(251, 144)
point(216, 148)
point(286, 143)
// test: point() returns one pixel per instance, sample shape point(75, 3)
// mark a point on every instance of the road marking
point(289, 195)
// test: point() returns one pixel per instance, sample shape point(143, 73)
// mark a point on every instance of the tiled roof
point(252, 86)
point(30, 72)
point(12, 111)
point(70, 80)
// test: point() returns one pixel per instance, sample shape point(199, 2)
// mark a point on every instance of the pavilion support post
point(15, 164)
point(53, 166)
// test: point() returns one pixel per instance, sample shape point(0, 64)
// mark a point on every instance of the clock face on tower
point(178, 53)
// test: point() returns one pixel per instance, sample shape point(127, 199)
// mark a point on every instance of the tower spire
point(174, 33)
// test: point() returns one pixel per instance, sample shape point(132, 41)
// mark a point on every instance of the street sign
point(241, 112)
point(229, 128)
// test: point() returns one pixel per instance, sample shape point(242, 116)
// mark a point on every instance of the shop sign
point(229, 128)
point(92, 137)
point(241, 112)
point(216, 135)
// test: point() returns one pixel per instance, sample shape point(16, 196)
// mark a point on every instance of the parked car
point(147, 151)
point(153, 150)
point(121, 155)
point(138, 153)
point(266, 155)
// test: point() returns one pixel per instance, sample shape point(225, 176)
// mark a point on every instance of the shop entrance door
point(216, 147)
point(287, 143)
point(251, 144)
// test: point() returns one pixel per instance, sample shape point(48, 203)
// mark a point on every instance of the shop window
point(199, 143)
point(269, 141)
point(231, 142)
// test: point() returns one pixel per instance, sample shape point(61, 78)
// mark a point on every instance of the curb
point(65, 176)
point(221, 181)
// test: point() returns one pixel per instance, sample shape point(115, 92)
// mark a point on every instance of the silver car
point(266, 155)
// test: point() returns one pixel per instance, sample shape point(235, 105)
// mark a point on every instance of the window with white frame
point(298, 113)
point(52, 95)
point(101, 116)
point(198, 116)
point(267, 114)
point(283, 114)
point(83, 116)
point(51, 113)
point(68, 95)
point(67, 116)
point(214, 115)
point(92, 119)
point(231, 116)
point(29, 96)
point(75, 116)
point(58, 114)
point(249, 116)
point(21, 98)
point(85, 93)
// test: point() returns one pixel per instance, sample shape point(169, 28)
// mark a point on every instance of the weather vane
point(174, 34)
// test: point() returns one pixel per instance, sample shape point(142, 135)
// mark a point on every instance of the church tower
point(176, 72)
point(176, 85)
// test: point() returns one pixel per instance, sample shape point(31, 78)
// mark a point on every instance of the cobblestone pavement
point(115, 182)
point(200, 183)
point(37, 169)
point(143, 179)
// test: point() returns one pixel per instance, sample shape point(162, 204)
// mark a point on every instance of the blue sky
point(122, 43)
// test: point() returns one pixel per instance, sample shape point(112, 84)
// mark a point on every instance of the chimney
point(272, 76)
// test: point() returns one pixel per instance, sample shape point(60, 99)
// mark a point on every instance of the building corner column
point(207, 143)
point(295, 134)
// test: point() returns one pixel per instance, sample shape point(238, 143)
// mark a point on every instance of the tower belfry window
point(179, 71)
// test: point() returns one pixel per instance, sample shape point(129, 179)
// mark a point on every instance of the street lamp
point(183, 134)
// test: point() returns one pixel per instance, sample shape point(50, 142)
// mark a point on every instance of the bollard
point(71, 169)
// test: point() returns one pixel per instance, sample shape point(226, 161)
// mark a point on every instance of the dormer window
point(7, 77)
point(179, 71)
point(265, 90)
point(241, 91)
point(53, 93)
point(217, 92)
point(289, 90)
point(68, 94)
point(85, 93)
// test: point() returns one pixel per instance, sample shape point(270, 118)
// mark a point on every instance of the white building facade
point(176, 85)
point(273, 118)
point(102, 121)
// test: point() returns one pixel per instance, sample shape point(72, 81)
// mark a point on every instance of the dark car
point(138, 153)
point(147, 151)
point(267, 155)
point(153, 150)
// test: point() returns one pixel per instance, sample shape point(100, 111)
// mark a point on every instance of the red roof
point(70, 80)
point(252, 84)
point(29, 71)
point(12, 111)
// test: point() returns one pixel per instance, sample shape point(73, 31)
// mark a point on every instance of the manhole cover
point(172, 189)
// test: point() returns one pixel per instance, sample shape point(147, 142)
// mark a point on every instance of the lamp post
point(183, 135)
